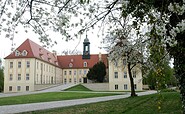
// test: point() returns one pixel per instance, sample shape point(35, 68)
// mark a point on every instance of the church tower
point(86, 49)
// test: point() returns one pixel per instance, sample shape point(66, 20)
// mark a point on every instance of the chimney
point(99, 56)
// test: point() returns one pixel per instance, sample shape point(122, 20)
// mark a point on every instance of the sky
point(6, 44)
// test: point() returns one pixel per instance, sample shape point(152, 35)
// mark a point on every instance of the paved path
point(52, 89)
point(9, 109)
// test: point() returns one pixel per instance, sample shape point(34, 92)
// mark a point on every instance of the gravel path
point(9, 109)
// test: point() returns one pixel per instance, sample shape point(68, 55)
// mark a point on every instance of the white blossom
point(176, 8)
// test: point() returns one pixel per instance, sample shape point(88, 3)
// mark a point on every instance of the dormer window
point(17, 53)
point(85, 64)
point(72, 60)
point(70, 65)
point(24, 53)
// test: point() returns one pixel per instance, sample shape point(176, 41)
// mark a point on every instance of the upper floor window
point(11, 77)
point(124, 62)
point(85, 64)
point(17, 53)
point(19, 77)
point(116, 63)
point(134, 74)
point(115, 74)
point(11, 64)
point(19, 64)
point(28, 64)
point(24, 53)
point(125, 74)
point(70, 64)
point(27, 76)
point(75, 72)
point(85, 72)
point(65, 73)
point(69, 72)
point(80, 72)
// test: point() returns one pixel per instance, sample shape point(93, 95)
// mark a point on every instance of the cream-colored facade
point(27, 74)
point(75, 75)
point(119, 78)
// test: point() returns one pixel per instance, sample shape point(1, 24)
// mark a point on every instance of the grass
point(78, 88)
point(138, 105)
point(51, 96)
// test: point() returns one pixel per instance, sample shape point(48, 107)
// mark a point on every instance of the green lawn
point(78, 88)
point(138, 105)
point(50, 96)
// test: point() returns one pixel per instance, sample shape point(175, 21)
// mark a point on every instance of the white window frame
point(125, 87)
point(116, 75)
point(27, 64)
point(11, 77)
point(24, 53)
point(85, 64)
point(27, 76)
point(17, 53)
point(124, 74)
point(116, 86)
point(19, 64)
point(19, 77)
point(11, 64)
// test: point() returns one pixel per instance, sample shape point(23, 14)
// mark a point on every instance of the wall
point(97, 86)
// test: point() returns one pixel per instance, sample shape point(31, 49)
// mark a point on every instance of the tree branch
point(63, 6)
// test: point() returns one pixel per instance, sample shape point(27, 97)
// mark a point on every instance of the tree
point(97, 72)
point(1, 80)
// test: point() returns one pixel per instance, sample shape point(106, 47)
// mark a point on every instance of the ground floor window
point(65, 81)
point(125, 87)
point(80, 80)
point(18, 88)
point(70, 80)
point(10, 88)
point(27, 88)
point(116, 87)
point(135, 86)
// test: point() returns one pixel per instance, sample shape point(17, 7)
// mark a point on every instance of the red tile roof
point(34, 51)
point(77, 62)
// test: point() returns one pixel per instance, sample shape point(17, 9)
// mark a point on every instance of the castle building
point(31, 67)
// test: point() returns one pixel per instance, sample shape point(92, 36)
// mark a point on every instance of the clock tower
point(86, 49)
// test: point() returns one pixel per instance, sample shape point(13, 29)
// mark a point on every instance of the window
point(135, 86)
point(17, 53)
point(10, 88)
point(115, 74)
point(85, 71)
point(19, 64)
point(80, 80)
point(37, 65)
point(124, 62)
point(70, 80)
point(116, 87)
point(19, 77)
point(27, 88)
point(11, 64)
point(65, 81)
point(80, 72)
point(125, 87)
point(69, 72)
point(70, 64)
point(75, 80)
point(27, 76)
point(11, 77)
point(65, 73)
point(134, 74)
point(75, 72)
point(116, 63)
point(85, 64)
point(28, 64)
point(24, 53)
point(125, 74)
point(18, 88)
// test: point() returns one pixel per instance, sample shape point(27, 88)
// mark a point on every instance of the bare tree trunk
point(133, 93)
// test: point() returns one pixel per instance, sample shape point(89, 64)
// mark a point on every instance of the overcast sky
point(5, 43)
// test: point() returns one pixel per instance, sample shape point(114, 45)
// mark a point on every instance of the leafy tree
point(97, 72)
point(1, 80)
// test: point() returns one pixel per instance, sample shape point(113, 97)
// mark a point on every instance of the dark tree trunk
point(133, 93)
